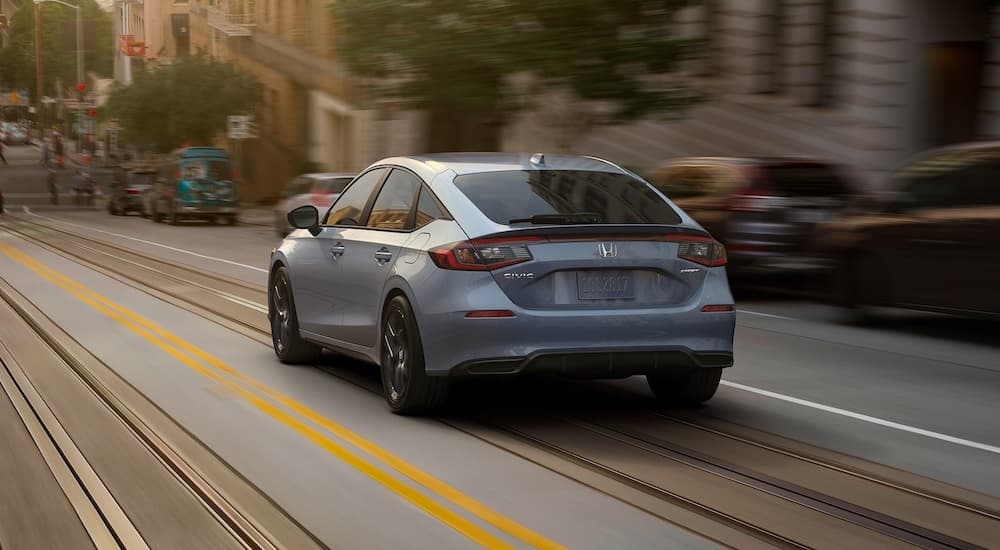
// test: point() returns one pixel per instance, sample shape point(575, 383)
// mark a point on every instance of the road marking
point(176, 347)
point(771, 315)
point(866, 418)
point(144, 241)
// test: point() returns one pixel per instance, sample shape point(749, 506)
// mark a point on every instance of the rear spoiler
point(642, 231)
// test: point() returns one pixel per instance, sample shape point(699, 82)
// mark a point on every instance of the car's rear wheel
point(685, 389)
point(111, 208)
point(288, 344)
point(407, 388)
point(231, 219)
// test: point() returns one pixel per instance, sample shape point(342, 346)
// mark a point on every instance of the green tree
point(17, 61)
point(463, 60)
point(187, 101)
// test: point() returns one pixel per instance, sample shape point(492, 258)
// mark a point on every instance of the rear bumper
point(597, 343)
point(588, 363)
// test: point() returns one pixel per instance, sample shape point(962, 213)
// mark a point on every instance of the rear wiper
point(575, 217)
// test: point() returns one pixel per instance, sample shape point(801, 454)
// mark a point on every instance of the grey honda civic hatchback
point(493, 264)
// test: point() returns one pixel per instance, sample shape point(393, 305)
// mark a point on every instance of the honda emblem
point(608, 250)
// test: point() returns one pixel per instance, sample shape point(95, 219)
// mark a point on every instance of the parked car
point(764, 210)
point(126, 195)
point(194, 183)
point(319, 190)
point(932, 243)
point(452, 265)
point(13, 134)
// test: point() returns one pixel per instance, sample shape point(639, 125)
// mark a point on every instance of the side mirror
point(305, 217)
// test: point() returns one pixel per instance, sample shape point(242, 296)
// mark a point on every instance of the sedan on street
point(488, 264)
point(319, 190)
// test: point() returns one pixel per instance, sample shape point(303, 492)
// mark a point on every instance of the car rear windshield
point(520, 194)
point(219, 170)
point(807, 180)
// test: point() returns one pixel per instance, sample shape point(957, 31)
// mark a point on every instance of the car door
point(922, 250)
point(971, 229)
point(371, 254)
point(318, 277)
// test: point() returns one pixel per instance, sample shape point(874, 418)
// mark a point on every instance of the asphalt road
point(916, 392)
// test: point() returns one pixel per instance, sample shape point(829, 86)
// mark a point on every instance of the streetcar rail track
point(835, 508)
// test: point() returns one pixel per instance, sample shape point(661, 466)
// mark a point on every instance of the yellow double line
point(267, 399)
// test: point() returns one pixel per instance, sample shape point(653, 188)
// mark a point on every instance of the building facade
point(867, 83)
point(315, 116)
point(149, 31)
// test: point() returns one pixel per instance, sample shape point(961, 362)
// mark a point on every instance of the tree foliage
point(17, 61)
point(463, 54)
point(187, 101)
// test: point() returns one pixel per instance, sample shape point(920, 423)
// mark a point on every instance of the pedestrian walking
point(45, 152)
point(59, 150)
point(53, 188)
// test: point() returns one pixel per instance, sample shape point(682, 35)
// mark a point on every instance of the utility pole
point(38, 69)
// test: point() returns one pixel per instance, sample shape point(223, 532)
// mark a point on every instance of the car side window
point(395, 200)
point(428, 208)
point(351, 204)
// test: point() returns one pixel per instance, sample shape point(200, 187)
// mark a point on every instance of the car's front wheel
point(288, 344)
point(690, 388)
point(408, 389)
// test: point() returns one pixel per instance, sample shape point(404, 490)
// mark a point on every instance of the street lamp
point(79, 49)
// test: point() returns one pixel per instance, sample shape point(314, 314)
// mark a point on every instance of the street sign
point(240, 127)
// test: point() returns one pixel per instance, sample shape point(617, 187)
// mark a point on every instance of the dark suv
point(764, 210)
point(933, 243)
point(128, 189)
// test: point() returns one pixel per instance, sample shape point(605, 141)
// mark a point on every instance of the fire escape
point(233, 17)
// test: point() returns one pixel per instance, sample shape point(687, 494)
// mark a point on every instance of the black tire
point(231, 219)
point(172, 218)
point(686, 389)
point(156, 216)
point(111, 208)
point(288, 344)
point(407, 388)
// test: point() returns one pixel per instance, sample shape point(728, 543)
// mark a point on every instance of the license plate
point(605, 285)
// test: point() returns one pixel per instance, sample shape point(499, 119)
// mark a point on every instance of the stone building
point(867, 83)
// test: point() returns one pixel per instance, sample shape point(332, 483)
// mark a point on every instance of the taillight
point(133, 192)
point(482, 254)
point(707, 253)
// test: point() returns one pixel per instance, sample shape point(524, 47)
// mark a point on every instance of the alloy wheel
point(281, 318)
point(396, 354)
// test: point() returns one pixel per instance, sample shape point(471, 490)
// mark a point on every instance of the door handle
point(337, 250)
point(383, 255)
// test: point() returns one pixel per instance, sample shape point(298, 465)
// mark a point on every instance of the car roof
point(429, 165)
point(328, 175)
